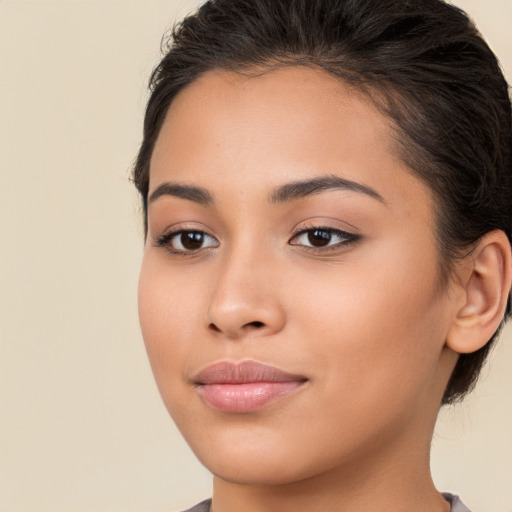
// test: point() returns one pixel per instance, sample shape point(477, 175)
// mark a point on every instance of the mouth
point(246, 386)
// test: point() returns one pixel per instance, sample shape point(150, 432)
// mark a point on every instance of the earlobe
point(486, 282)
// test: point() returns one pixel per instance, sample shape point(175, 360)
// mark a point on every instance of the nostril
point(213, 327)
point(255, 324)
point(245, 327)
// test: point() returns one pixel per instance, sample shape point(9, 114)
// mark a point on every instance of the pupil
point(319, 238)
point(192, 240)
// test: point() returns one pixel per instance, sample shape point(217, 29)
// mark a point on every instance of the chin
point(259, 456)
point(248, 461)
point(243, 470)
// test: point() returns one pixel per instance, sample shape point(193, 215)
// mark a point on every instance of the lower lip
point(245, 397)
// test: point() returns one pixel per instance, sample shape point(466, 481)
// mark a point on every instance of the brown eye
point(319, 237)
point(186, 241)
point(191, 240)
point(323, 238)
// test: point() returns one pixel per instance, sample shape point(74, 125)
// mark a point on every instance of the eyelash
point(347, 238)
point(165, 240)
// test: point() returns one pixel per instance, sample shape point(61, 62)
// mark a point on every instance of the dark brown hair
point(422, 62)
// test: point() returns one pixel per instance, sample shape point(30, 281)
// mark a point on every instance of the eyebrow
point(288, 192)
point(300, 189)
point(190, 192)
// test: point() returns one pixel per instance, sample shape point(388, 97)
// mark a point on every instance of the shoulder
point(204, 506)
point(456, 504)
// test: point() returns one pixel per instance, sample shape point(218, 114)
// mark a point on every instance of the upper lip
point(227, 372)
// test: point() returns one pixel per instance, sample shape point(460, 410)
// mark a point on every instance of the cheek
point(169, 314)
point(378, 329)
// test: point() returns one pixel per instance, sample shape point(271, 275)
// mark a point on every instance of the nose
point(245, 300)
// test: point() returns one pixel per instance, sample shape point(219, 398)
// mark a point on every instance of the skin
point(365, 322)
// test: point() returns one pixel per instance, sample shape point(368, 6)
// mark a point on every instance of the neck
point(392, 477)
point(397, 486)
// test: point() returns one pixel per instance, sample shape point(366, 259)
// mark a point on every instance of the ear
point(485, 280)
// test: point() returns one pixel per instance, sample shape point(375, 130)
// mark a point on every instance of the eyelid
point(348, 237)
point(164, 239)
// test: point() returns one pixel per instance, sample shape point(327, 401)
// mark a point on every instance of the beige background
point(81, 424)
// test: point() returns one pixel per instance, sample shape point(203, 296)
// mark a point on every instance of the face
point(289, 296)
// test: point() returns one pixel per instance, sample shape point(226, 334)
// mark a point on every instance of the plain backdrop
point(82, 427)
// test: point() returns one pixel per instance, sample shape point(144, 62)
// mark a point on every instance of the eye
point(320, 237)
point(186, 241)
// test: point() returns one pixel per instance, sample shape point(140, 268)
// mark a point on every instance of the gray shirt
point(457, 505)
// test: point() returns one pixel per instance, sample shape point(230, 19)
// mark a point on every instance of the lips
point(246, 386)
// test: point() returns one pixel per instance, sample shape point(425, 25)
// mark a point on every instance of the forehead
point(291, 103)
point(276, 126)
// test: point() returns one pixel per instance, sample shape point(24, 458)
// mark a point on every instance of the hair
point(424, 65)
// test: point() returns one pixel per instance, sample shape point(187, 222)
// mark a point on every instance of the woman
point(327, 190)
